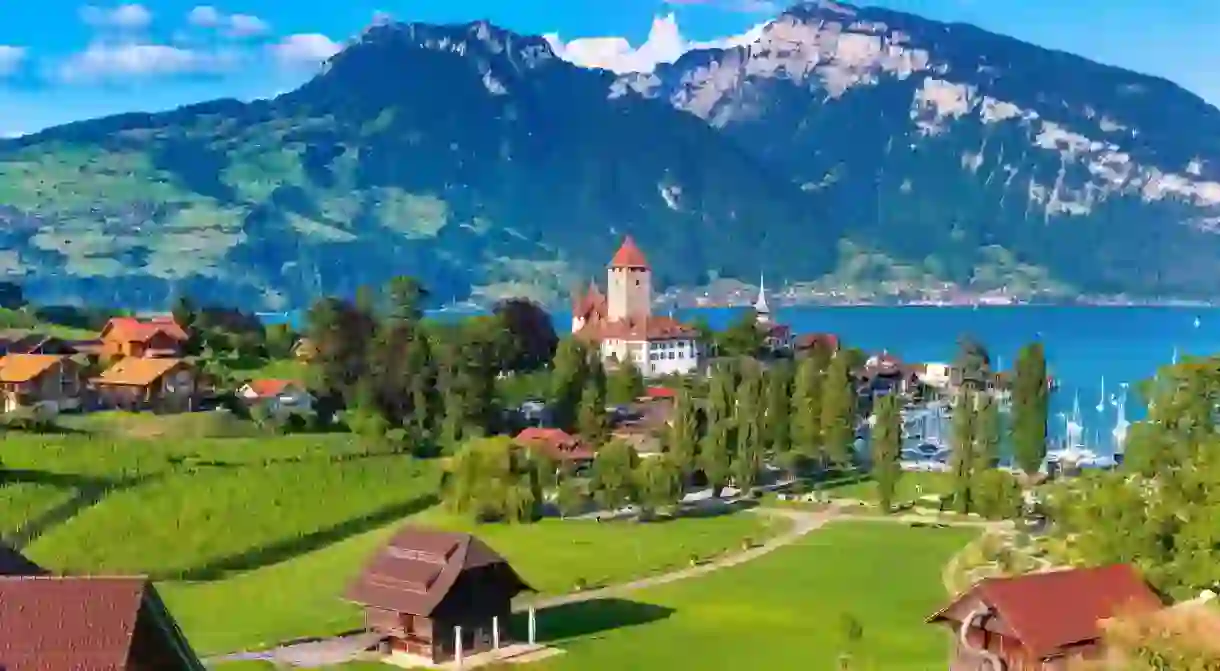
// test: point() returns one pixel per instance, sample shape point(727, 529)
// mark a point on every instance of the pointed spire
point(629, 256)
point(760, 305)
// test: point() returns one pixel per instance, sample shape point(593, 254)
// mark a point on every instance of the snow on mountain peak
point(665, 44)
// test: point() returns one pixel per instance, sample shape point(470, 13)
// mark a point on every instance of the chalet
point(27, 342)
point(620, 324)
point(1045, 621)
point(280, 397)
point(436, 596)
point(557, 445)
point(133, 337)
point(49, 381)
point(133, 383)
point(118, 624)
point(643, 424)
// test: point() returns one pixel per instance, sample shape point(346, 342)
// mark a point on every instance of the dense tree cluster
point(426, 384)
point(1158, 511)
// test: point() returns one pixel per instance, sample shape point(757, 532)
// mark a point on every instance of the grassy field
point(204, 522)
point(785, 610)
point(911, 485)
point(550, 555)
point(21, 502)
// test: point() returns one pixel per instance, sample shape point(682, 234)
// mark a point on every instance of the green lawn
point(273, 369)
point(911, 485)
point(783, 611)
point(22, 502)
point(301, 596)
point(228, 518)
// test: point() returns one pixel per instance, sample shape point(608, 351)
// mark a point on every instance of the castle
point(621, 324)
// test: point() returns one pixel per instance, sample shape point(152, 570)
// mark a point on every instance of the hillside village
point(733, 445)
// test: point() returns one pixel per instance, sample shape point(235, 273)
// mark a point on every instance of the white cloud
point(231, 25)
point(10, 59)
point(665, 44)
point(102, 61)
point(304, 49)
point(129, 16)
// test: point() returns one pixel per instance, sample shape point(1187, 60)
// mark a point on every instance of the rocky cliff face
point(940, 140)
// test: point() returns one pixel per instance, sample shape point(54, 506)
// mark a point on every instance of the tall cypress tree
point(750, 441)
point(987, 434)
point(715, 455)
point(567, 382)
point(839, 412)
point(683, 439)
point(779, 408)
point(963, 459)
point(806, 415)
point(887, 450)
point(1030, 408)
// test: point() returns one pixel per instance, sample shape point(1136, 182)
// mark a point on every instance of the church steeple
point(762, 311)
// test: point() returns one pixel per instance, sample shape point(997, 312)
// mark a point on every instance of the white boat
point(1119, 432)
point(1101, 401)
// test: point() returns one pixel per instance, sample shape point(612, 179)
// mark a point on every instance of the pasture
point(788, 609)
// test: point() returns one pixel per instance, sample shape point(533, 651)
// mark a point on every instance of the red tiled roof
point(591, 303)
point(1051, 611)
point(628, 256)
point(811, 340)
point(639, 328)
point(49, 623)
point(659, 392)
point(132, 329)
point(555, 443)
point(264, 388)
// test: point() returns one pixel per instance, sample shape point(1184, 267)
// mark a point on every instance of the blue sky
point(63, 60)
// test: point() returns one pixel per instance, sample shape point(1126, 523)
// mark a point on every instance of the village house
point(119, 624)
point(1045, 621)
point(557, 445)
point(48, 382)
point(437, 596)
point(32, 342)
point(643, 424)
point(162, 385)
point(805, 343)
point(133, 337)
point(279, 397)
point(621, 325)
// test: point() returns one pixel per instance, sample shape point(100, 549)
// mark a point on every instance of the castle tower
point(628, 284)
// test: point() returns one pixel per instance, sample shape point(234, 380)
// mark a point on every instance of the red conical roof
point(628, 256)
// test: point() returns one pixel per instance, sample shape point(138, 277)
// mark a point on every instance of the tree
point(778, 431)
point(996, 494)
point(683, 434)
point(614, 480)
point(887, 450)
point(405, 297)
point(659, 482)
point(838, 412)
point(1030, 409)
point(963, 459)
point(530, 331)
point(591, 417)
point(986, 434)
point(742, 338)
point(186, 314)
point(750, 445)
point(278, 341)
point(493, 479)
point(807, 405)
point(625, 384)
point(715, 455)
point(972, 364)
point(568, 379)
point(570, 497)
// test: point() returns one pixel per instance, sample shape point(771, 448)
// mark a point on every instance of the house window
point(671, 355)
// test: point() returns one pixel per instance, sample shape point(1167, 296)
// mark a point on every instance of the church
point(621, 325)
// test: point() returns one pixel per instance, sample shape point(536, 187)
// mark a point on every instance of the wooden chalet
point(427, 590)
point(166, 385)
point(31, 342)
point(50, 623)
point(1044, 621)
point(133, 337)
point(33, 380)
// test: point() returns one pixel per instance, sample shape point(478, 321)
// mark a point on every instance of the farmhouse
point(437, 596)
point(1041, 620)
point(280, 397)
point(52, 381)
point(132, 337)
point(119, 624)
point(622, 325)
point(557, 445)
point(167, 385)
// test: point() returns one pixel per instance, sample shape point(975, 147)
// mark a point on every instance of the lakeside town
point(442, 447)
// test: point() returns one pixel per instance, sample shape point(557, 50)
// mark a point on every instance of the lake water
point(1083, 344)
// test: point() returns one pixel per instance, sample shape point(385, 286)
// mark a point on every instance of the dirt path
point(802, 523)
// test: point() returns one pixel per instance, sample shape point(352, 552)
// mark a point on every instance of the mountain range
point(845, 146)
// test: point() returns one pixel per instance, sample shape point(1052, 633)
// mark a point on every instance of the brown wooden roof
point(21, 368)
point(14, 563)
point(138, 371)
point(1051, 611)
point(417, 569)
point(60, 623)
